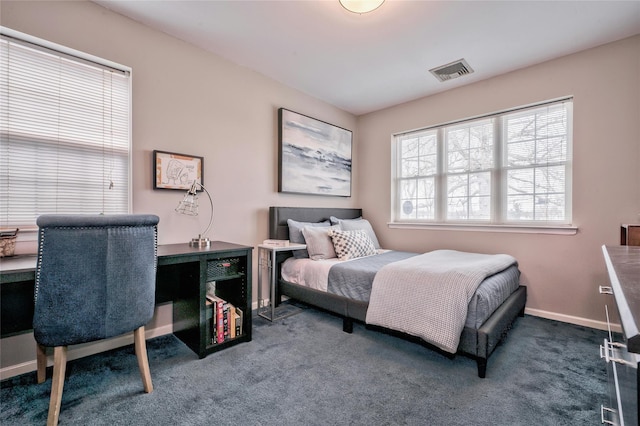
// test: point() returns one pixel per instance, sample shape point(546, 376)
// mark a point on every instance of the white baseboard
point(600, 325)
point(86, 349)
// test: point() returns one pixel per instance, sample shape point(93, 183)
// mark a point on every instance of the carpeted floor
point(305, 370)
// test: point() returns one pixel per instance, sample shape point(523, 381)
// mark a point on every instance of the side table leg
point(272, 284)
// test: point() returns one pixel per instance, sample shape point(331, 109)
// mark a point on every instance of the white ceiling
point(363, 63)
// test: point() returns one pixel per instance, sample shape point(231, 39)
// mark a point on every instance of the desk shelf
point(185, 274)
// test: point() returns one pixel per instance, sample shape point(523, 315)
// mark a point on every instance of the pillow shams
point(357, 224)
point(351, 244)
point(319, 244)
point(295, 235)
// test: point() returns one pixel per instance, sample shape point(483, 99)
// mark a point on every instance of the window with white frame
point(507, 168)
point(64, 132)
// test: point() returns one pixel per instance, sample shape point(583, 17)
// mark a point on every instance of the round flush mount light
point(361, 6)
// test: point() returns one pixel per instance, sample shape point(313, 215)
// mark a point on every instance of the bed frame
point(478, 344)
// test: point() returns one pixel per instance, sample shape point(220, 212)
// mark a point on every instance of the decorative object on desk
point(176, 171)
point(189, 207)
point(314, 156)
point(8, 242)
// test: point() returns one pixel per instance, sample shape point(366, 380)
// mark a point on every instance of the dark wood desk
point(183, 274)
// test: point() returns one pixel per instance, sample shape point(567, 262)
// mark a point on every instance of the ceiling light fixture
point(361, 6)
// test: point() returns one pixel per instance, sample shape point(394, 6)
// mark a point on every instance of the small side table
point(267, 260)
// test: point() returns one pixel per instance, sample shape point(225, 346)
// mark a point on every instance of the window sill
point(523, 229)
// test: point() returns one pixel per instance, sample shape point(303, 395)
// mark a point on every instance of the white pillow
point(295, 235)
point(356, 224)
point(351, 244)
point(319, 244)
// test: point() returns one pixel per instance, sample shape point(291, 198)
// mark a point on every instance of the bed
point(484, 327)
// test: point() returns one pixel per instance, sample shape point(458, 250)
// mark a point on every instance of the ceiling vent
point(452, 70)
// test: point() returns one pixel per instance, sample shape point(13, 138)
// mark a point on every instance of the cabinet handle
point(607, 410)
point(606, 352)
point(603, 289)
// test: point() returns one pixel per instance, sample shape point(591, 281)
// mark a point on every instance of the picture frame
point(176, 171)
point(314, 156)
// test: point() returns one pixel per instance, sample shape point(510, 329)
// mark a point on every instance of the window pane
point(418, 155)
point(520, 181)
point(544, 188)
point(469, 196)
point(410, 147)
point(537, 145)
point(470, 147)
point(457, 161)
point(418, 199)
point(550, 179)
point(520, 207)
point(480, 208)
point(410, 167)
point(552, 150)
point(537, 136)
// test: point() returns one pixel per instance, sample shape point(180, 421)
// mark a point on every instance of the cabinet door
point(630, 235)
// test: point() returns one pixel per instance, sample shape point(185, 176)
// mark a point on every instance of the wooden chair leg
point(59, 369)
point(41, 362)
point(143, 360)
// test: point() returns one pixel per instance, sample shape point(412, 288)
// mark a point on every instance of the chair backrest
point(95, 276)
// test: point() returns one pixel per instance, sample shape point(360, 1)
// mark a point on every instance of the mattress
point(353, 278)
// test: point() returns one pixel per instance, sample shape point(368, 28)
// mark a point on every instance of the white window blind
point(512, 167)
point(64, 134)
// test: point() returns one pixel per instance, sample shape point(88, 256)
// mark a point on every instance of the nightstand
point(267, 261)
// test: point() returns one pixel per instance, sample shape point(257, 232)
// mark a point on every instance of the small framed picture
point(176, 171)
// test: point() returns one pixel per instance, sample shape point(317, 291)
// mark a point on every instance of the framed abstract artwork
point(314, 156)
point(176, 171)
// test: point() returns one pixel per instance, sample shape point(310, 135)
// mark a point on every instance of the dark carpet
point(306, 370)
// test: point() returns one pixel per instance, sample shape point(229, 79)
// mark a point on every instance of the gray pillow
point(357, 225)
point(319, 244)
point(295, 235)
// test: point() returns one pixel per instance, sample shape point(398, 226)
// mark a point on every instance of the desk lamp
point(189, 206)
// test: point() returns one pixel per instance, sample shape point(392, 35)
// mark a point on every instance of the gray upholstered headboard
point(278, 228)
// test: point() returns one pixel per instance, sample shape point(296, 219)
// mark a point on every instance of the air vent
point(452, 70)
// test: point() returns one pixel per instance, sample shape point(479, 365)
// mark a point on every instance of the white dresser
point(622, 355)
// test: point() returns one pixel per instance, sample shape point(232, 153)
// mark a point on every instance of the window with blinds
point(512, 167)
point(64, 132)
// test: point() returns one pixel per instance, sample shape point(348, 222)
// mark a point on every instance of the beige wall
point(562, 272)
point(187, 100)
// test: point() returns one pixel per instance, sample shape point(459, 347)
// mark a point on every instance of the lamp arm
point(211, 203)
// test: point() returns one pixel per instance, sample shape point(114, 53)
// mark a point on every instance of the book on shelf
point(225, 321)
point(238, 321)
point(209, 331)
point(232, 321)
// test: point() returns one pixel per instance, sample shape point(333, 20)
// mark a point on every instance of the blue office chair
point(95, 279)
